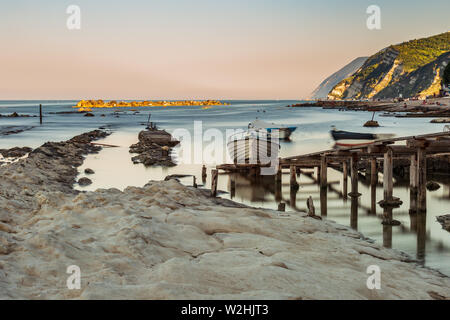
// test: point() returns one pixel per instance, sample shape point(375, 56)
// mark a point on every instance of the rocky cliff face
point(410, 69)
point(325, 87)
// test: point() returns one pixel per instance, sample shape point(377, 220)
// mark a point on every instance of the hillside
point(413, 68)
point(325, 87)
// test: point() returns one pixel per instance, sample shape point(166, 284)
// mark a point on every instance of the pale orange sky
point(194, 49)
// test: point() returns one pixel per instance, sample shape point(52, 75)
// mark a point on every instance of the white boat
point(282, 131)
point(253, 147)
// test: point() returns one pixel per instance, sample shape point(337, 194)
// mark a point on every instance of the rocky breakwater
point(154, 148)
point(49, 168)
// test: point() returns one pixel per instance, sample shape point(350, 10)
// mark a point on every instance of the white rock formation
point(168, 241)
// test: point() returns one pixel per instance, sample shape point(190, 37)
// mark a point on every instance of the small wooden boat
point(253, 147)
point(355, 139)
point(282, 131)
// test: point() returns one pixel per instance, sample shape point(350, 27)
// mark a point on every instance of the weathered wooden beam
point(345, 179)
point(413, 184)
point(421, 180)
point(293, 179)
point(204, 174)
point(214, 178)
point(388, 183)
point(354, 174)
point(323, 172)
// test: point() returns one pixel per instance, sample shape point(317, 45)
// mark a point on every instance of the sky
point(195, 49)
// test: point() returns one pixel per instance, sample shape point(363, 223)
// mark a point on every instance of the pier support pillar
point(293, 180)
point(373, 185)
point(214, 178)
point(421, 180)
point(354, 194)
point(388, 183)
point(232, 186)
point(40, 113)
point(323, 186)
point(318, 174)
point(345, 179)
point(413, 185)
point(204, 174)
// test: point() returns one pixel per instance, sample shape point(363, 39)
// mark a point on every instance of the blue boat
point(283, 131)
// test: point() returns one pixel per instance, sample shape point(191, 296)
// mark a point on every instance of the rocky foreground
point(168, 241)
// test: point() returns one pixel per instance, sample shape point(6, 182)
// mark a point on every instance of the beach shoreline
point(169, 241)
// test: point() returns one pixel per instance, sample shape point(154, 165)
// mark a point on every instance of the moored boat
point(355, 139)
point(253, 147)
point(282, 131)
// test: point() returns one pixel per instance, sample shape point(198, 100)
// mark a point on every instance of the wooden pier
point(378, 156)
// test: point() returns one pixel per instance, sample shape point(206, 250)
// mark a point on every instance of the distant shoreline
point(435, 107)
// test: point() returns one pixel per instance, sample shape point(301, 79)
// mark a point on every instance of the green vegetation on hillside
point(417, 53)
point(410, 67)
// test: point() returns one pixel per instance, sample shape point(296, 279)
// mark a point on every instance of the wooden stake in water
point(214, 178)
point(40, 113)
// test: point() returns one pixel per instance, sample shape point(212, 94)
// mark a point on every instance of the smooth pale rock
point(168, 241)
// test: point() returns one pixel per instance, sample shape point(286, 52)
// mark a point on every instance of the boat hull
point(253, 150)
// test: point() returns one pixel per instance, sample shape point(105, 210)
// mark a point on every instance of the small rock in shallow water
point(89, 115)
point(84, 182)
point(444, 221)
point(89, 171)
point(433, 186)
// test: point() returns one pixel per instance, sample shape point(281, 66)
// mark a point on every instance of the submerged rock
point(89, 171)
point(433, 186)
point(444, 221)
point(84, 182)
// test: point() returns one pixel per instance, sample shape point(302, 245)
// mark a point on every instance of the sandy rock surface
point(168, 241)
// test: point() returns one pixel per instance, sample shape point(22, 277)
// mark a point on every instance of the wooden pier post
point(388, 183)
point(40, 113)
point(282, 207)
point(354, 174)
point(323, 172)
point(323, 186)
point(413, 185)
point(204, 174)
point(318, 174)
point(232, 186)
point(293, 180)
point(421, 180)
point(354, 194)
point(293, 198)
point(279, 172)
point(373, 172)
point(345, 179)
point(214, 178)
point(373, 185)
point(194, 181)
